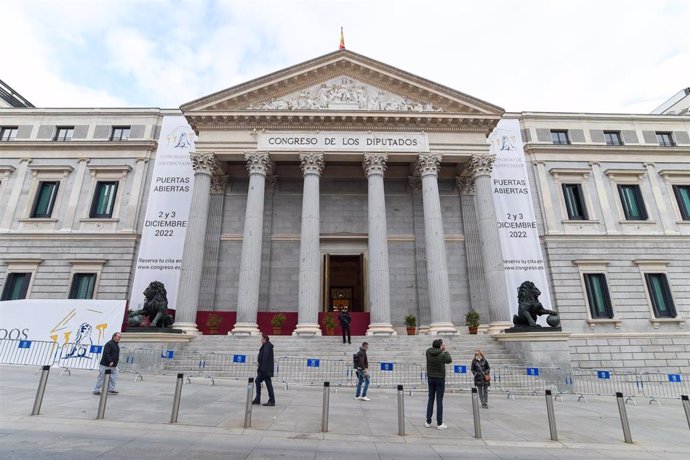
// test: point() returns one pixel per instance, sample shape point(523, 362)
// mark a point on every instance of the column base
point(423, 330)
point(307, 329)
point(442, 329)
point(497, 327)
point(245, 329)
point(381, 329)
point(188, 328)
point(483, 329)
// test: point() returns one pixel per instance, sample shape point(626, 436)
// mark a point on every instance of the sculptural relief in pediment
point(344, 93)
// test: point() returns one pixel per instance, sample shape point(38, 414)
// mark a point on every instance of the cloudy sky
point(528, 55)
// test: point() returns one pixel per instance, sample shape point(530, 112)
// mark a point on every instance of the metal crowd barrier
point(605, 383)
point(228, 366)
point(28, 352)
point(656, 385)
point(391, 374)
point(312, 371)
point(141, 361)
point(530, 380)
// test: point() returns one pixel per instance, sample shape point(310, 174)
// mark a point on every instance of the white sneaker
point(442, 426)
point(358, 397)
point(428, 425)
point(364, 398)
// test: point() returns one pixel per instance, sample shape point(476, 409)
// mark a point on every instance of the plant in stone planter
point(329, 323)
point(472, 321)
point(277, 323)
point(411, 323)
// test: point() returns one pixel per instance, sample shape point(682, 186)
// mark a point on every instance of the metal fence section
point(227, 366)
point(458, 376)
point(28, 352)
point(78, 356)
point(655, 386)
point(312, 371)
point(605, 383)
point(530, 380)
point(391, 374)
point(141, 361)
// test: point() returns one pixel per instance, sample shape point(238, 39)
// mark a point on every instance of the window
point(613, 138)
point(16, 286)
point(631, 199)
point(8, 133)
point(660, 295)
point(598, 296)
point(45, 199)
point(574, 202)
point(64, 133)
point(665, 139)
point(683, 196)
point(120, 133)
point(83, 285)
point(559, 137)
point(103, 200)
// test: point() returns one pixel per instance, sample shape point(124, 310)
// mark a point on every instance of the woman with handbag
point(482, 377)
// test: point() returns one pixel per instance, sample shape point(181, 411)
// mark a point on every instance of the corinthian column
point(258, 165)
point(309, 261)
point(492, 258)
point(379, 283)
point(428, 165)
point(193, 254)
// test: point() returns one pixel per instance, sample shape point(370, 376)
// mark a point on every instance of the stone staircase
point(400, 349)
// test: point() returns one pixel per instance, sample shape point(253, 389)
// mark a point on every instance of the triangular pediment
point(342, 81)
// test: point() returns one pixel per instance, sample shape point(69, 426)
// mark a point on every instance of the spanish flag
point(342, 39)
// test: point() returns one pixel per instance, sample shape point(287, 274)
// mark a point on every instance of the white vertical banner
point(167, 212)
point(517, 226)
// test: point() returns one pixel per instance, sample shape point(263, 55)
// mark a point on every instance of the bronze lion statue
point(529, 307)
point(155, 308)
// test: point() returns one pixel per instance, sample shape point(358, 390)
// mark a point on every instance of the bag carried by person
point(487, 377)
point(355, 360)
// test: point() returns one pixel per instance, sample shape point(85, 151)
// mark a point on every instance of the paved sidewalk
point(210, 424)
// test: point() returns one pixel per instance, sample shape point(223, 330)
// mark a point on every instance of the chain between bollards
point(686, 407)
point(248, 403)
point(104, 394)
point(176, 398)
point(624, 417)
point(401, 411)
point(475, 413)
point(551, 415)
point(325, 407)
point(41, 390)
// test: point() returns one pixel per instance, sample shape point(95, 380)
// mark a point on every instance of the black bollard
point(624, 417)
point(248, 403)
point(326, 406)
point(475, 413)
point(176, 398)
point(104, 394)
point(401, 411)
point(551, 415)
point(41, 390)
point(686, 407)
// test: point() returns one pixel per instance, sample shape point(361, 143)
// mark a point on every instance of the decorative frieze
point(203, 162)
point(481, 164)
point(374, 163)
point(258, 163)
point(428, 163)
point(311, 163)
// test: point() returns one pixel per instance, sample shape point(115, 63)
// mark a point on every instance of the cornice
point(583, 117)
point(601, 148)
point(78, 145)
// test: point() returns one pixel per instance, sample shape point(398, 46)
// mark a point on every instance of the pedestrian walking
point(436, 359)
point(265, 371)
point(109, 360)
point(482, 377)
point(345, 320)
point(361, 363)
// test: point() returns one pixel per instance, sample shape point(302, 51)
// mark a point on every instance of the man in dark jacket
point(362, 373)
point(109, 360)
point(265, 371)
point(436, 359)
point(345, 320)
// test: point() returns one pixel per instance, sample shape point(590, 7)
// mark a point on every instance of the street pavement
point(211, 419)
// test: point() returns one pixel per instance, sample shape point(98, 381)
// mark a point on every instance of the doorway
point(344, 282)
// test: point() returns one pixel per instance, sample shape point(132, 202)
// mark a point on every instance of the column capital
point(203, 162)
point(258, 163)
point(311, 163)
point(415, 183)
point(218, 183)
point(428, 163)
point(481, 164)
point(374, 163)
point(465, 184)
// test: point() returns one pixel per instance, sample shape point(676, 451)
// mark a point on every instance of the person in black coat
point(345, 320)
point(109, 360)
point(265, 371)
point(480, 370)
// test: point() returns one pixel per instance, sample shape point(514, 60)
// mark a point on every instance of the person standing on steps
point(265, 371)
point(109, 360)
point(345, 320)
point(362, 373)
point(436, 359)
point(482, 377)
